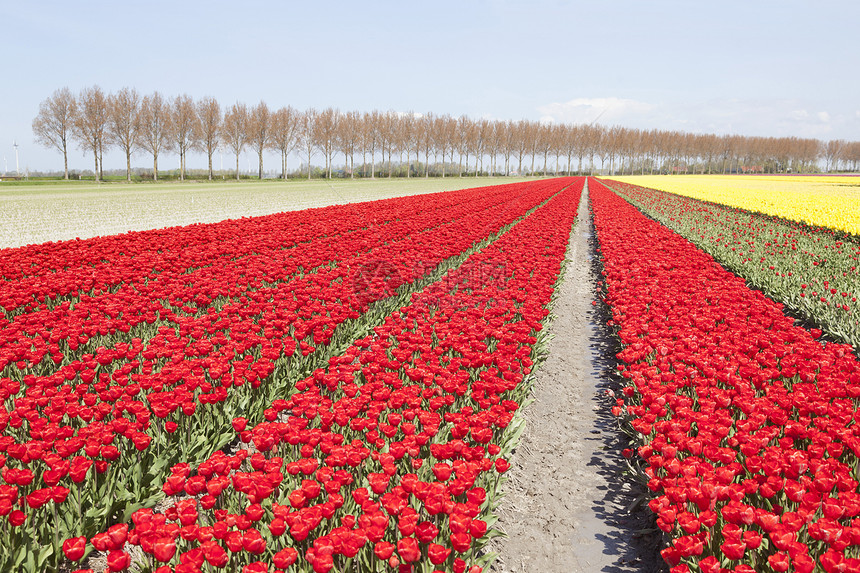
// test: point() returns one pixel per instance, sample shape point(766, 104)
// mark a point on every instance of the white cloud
point(587, 110)
point(823, 117)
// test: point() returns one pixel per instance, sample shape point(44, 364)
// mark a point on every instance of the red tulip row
point(134, 405)
point(69, 268)
point(813, 271)
point(53, 313)
point(747, 422)
point(387, 457)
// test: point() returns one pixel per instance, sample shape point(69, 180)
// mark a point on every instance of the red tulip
point(408, 550)
point(383, 550)
point(253, 542)
point(117, 560)
point(75, 547)
point(164, 549)
point(285, 557)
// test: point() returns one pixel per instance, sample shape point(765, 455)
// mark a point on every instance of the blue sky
point(754, 67)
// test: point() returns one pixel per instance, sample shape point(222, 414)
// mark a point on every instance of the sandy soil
point(566, 502)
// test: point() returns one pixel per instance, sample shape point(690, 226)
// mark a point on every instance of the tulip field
point(826, 201)
point(747, 422)
point(346, 346)
point(339, 388)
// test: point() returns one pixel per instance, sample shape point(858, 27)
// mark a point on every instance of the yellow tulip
point(826, 201)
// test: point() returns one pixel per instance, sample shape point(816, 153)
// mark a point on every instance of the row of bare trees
point(156, 125)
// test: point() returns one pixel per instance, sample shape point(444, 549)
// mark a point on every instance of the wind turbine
point(15, 145)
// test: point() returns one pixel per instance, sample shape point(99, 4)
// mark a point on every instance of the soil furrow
point(565, 504)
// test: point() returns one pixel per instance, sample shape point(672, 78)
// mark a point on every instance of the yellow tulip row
point(827, 201)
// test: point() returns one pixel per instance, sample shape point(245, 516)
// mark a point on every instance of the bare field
point(54, 212)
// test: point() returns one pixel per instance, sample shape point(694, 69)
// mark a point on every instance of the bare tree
point(91, 123)
point(462, 137)
point(208, 127)
point(54, 124)
point(483, 133)
point(306, 135)
point(832, 151)
point(543, 143)
point(557, 147)
point(369, 140)
point(406, 134)
point(235, 130)
point(444, 130)
point(424, 139)
point(285, 134)
point(201, 126)
point(124, 123)
point(507, 143)
point(183, 117)
point(348, 137)
point(155, 128)
point(522, 136)
point(260, 131)
point(385, 131)
point(324, 134)
point(492, 143)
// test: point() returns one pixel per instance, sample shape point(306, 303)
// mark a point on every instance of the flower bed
point(747, 422)
point(813, 271)
point(390, 455)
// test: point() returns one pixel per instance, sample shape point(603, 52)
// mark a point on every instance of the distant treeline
point(432, 145)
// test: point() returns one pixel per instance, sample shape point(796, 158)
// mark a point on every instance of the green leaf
point(130, 509)
point(30, 564)
point(69, 521)
point(46, 552)
point(157, 467)
point(137, 476)
point(20, 555)
point(97, 512)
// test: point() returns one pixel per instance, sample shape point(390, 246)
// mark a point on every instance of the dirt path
point(565, 504)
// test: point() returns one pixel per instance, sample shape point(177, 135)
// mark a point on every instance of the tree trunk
point(237, 167)
point(260, 155)
point(96, 159)
point(65, 162)
point(155, 167)
point(128, 164)
point(210, 166)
